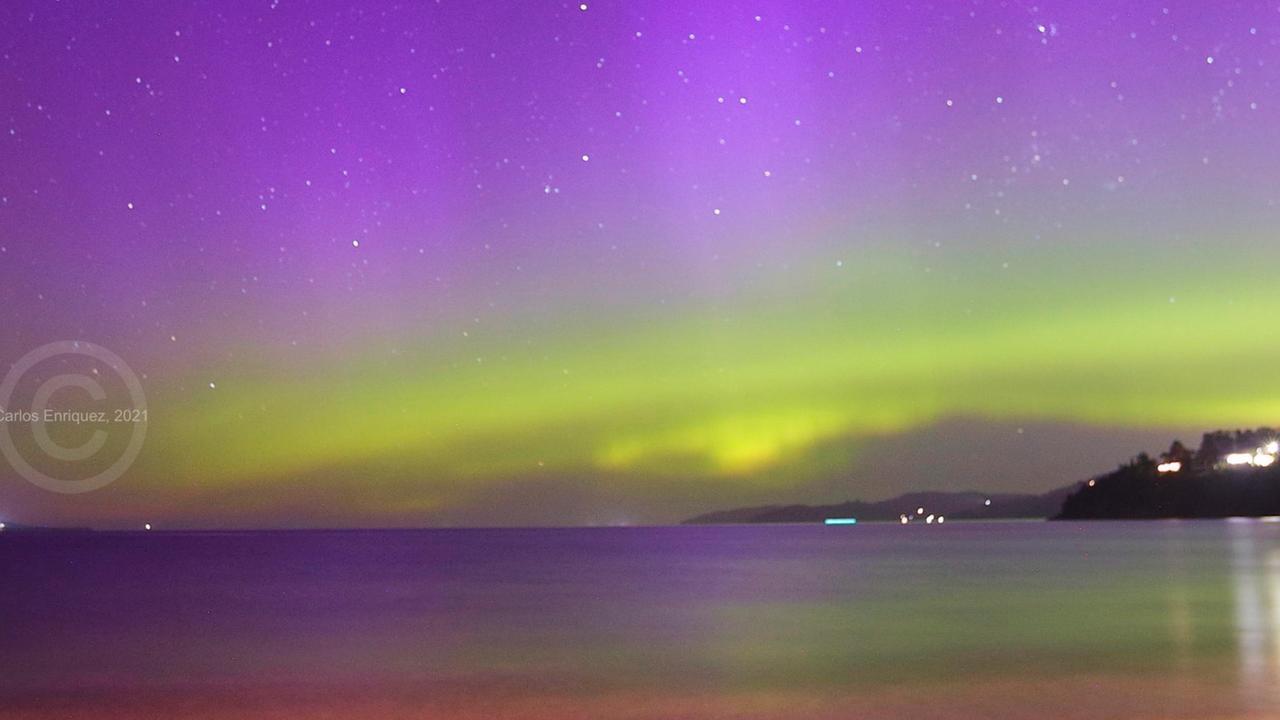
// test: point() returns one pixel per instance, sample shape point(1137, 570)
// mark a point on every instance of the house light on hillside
point(1169, 467)
point(1263, 457)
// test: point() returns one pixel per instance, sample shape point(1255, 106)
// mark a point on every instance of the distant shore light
point(1169, 467)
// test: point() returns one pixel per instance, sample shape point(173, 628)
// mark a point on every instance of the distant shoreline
point(54, 531)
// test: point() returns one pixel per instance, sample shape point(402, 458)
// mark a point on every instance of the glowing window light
point(1264, 460)
point(841, 521)
point(1240, 459)
point(1169, 467)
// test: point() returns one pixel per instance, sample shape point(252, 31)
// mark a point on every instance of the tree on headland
point(1178, 453)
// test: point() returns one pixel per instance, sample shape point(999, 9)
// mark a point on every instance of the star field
point(389, 263)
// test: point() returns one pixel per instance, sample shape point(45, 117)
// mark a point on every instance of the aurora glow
point(466, 262)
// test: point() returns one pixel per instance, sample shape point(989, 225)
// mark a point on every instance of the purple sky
point(637, 259)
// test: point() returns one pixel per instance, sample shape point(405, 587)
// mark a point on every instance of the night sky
point(455, 262)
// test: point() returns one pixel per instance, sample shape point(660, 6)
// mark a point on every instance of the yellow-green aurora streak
point(881, 344)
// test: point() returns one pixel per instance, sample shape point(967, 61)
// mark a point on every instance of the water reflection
point(1168, 621)
point(1255, 567)
point(1181, 617)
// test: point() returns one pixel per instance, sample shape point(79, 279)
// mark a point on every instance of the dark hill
point(1205, 485)
point(954, 505)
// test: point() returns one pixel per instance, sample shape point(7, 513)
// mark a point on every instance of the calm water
point(1160, 620)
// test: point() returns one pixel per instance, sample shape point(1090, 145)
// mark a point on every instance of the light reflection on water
point(1181, 617)
point(1255, 566)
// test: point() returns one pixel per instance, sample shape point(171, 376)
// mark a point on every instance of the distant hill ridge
point(1232, 474)
point(969, 505)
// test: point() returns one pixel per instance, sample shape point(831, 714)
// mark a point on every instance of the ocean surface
point(999, 620)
